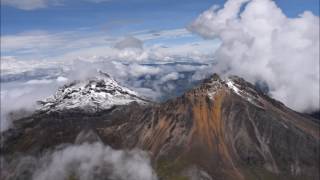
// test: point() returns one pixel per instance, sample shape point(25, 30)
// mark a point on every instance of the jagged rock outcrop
point(222, 129)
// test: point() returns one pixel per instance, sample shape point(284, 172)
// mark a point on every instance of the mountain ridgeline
point(219, 130)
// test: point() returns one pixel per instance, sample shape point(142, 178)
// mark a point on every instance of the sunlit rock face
point(221, 129)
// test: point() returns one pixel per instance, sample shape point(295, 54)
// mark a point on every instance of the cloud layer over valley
point(78, 162)
point(157, 81)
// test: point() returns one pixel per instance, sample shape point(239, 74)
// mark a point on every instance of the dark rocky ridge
point(210, 132)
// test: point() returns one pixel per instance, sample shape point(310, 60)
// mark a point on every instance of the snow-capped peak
point(235, 85)
point(93, 94)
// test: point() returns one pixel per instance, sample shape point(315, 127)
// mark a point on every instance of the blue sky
point(59, 34)
point(113, 16)
point(109, 19)
point(121, 16)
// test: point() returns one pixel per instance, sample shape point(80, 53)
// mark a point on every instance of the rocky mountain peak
point(92, 94)
point(233, 84)
point(211, 79)
point(209, 86)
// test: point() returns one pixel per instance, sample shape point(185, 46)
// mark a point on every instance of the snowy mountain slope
point(94, 94)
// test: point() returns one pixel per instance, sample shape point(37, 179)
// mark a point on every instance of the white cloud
point(62, 79)
point(40, 81)
point(201, 51)
point(163, 34)
point(79, 44)
point(98, 1)
point(23, 96)
point(78, 161)
point(30, 4)
point(40, 4)
point(30, 41)
point(42, 44)
point(40, 47)
point(138, 70)
point(25, 4)
point(170, 77)
point(129, 42)
point(29, 81)
point(76, 55)
point(262, 43)
point(12, 65)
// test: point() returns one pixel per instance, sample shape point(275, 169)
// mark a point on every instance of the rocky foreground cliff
point(220, 130)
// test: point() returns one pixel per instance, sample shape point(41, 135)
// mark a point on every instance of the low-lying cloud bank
point(157, 81)
point(260, 43)
point(23, 95)
point(79, 162)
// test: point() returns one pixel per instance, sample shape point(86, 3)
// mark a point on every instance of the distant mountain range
point(220, 129)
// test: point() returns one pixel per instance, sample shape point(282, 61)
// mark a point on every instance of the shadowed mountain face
point(222, 129)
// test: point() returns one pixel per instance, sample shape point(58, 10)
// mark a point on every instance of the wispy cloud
point(97, 1)
point(30, 4)
point(40, 4)
point(75, 44)
point(162, 34)
point(43, 43)
point(31, 42)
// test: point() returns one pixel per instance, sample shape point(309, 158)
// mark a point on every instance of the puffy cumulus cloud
point(78, 162)
point(129, 42)
point(260, 43)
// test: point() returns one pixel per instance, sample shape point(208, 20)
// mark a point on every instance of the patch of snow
point(211, 95)
point(213, 87)
point(245, 94)
point(233, 87)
